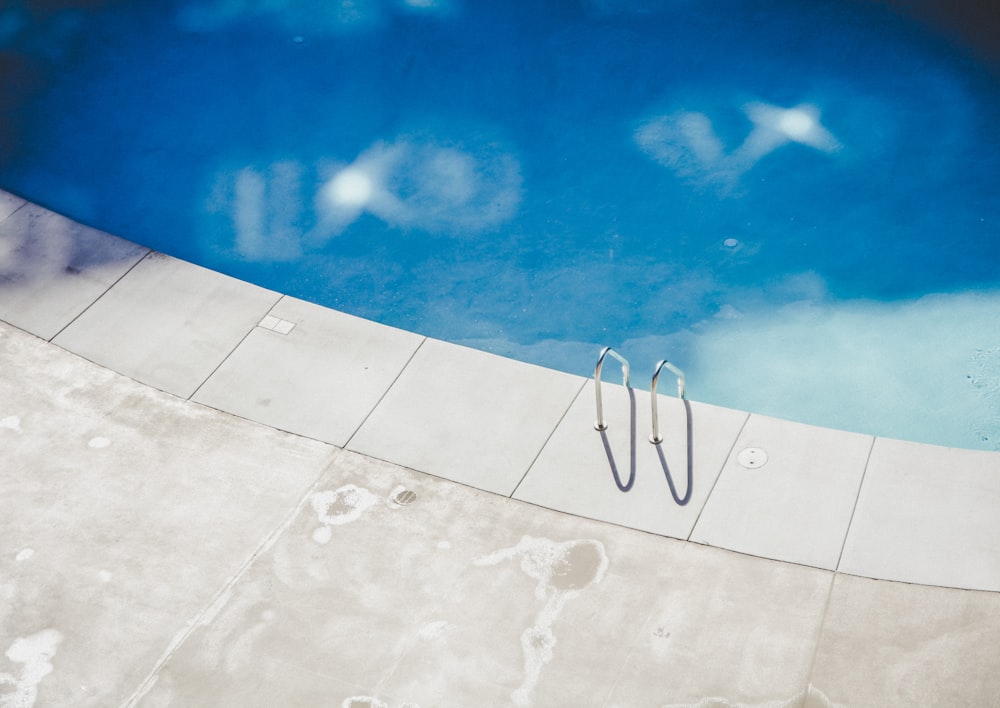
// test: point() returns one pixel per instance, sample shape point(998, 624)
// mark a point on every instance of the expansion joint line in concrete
point(23, 204)
point(233, 350)
point(819, 634)
point(218, 602)
point(857, 498)
point(547, 438)
point(729, 454)
point(103, 293)
point(385, 393)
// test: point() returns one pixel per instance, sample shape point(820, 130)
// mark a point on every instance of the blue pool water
point(796, 201)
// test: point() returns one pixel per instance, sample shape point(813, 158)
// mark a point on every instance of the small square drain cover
point(276, 324)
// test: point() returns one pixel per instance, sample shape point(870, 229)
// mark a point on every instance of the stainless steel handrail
point(601, 424)
point(655, 436)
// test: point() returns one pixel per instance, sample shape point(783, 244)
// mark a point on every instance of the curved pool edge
point(842, 502)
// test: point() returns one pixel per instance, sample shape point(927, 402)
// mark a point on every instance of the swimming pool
point(795, 202)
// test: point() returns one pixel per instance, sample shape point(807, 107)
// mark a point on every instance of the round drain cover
point(404, 497)
point(752, 458)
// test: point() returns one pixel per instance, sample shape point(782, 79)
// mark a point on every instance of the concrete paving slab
point(9, 203)
point(321, 379)
point(894, 644)
point(927, 515)
point(345, 593)
point(724, 630)
point(797, 505)
point(467, 416)
point(574, 472)
point(461, 598)
point(123, 512)
point(52, 269)
point(168, 323)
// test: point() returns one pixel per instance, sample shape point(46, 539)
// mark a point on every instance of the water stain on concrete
point(35, 653)
point(578, 567)
point(340, 506)
point(433, 630)
point(371, 702)
point(562, 571)
point(363, 702)
point(11, 422)
point(812, 697)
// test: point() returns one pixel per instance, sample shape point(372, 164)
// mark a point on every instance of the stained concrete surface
point(156, 552)
point(123, 512)
point(893, 644)
point(462, 598)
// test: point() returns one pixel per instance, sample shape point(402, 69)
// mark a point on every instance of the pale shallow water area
point(795, 202)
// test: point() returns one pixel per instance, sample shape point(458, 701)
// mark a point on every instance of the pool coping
point(842, 502)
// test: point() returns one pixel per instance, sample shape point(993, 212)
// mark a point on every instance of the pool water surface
point(795, 202)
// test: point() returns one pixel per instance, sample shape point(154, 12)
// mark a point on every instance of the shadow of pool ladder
point(655, 438)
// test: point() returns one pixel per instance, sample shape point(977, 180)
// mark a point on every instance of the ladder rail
point(601, 424)
point(655, 436)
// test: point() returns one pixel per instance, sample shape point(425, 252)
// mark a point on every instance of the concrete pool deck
point(214, 494)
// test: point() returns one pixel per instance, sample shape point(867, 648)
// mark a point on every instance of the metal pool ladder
point(602, 424)
point(655, 438)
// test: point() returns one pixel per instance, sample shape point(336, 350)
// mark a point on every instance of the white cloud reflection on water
point(926, 369)
point(278, 211)
point(687, 143)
